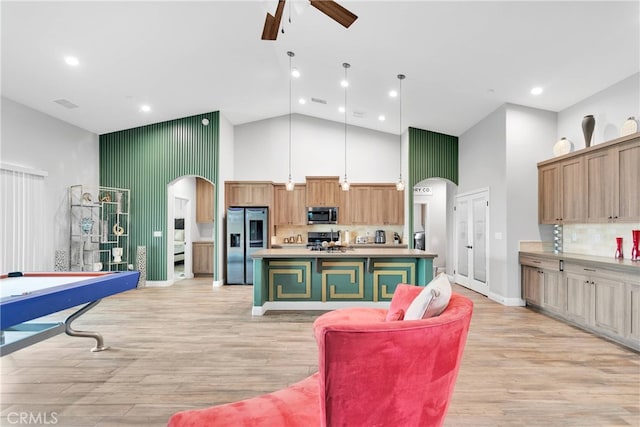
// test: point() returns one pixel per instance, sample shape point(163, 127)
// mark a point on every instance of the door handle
point(469, 247)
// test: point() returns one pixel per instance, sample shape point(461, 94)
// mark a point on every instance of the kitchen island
point(302, 279)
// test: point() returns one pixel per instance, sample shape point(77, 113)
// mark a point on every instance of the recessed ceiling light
point(341, 109)
point(295, 73)
point(145, 108)
point(71, 60)
point(344, 83)
point(382, 118)
point(536, 90)
point(393, 93)
point(302, 101)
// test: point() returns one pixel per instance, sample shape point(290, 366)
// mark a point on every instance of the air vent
point(66, 103)
point(319, 101)
point(358, 114)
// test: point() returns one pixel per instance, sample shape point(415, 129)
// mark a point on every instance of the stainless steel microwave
point(322, 215)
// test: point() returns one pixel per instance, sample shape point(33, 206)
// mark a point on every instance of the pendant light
point(345, 84)
point(400, 183)
point(290, 184)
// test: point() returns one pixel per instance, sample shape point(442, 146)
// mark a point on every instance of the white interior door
point(472, 229)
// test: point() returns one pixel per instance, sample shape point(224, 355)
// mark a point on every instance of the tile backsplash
point(598, 239)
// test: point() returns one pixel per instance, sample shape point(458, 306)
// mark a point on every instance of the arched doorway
point(189, 237)
point(433, 201)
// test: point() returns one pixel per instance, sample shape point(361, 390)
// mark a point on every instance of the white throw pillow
point(432, 301)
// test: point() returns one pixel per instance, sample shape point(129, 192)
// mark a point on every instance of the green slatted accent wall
point(145, 160)
point(431, 155)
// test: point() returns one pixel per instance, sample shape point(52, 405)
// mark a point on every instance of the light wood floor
point(190, 346)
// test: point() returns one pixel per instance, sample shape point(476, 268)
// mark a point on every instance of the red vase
point(619, 254)
point(635, 253)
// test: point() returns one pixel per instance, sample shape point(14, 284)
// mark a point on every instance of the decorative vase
point(562, 147)
point(629, 127)
point(635, 252)
point(588, 124)
point(619, 254)
point(117, 254)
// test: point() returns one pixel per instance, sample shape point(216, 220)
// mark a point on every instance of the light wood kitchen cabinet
point(204, 201)
point(248, 193)
point(561, 192)
point(372, 204)
point(203, 258)
point(387, 205)
point(542, 284)
point(289, 206)
point(578, 297)
point(532, 285)
point(602, 295)
point(626, 179)
point(597, 184)
point(601, 299)
point(633, 310)
point(612, 176)
point(358, 208)
point(323, 191)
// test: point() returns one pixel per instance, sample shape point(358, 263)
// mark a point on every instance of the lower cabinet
point(203, 258)
point(633, 310)
point(600, 300)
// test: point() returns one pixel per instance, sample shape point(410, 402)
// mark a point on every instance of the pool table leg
point(72, 332)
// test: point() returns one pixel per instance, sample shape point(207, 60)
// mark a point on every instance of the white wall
point(531, 134)
point(69, 155)
point(481, 164)
point(262, 151)
point(610, 107)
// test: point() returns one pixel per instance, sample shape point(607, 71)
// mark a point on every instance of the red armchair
point(372, 372)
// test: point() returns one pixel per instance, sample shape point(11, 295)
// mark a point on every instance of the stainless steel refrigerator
point(246, 234)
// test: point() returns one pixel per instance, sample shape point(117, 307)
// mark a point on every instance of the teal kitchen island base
point(301, 279)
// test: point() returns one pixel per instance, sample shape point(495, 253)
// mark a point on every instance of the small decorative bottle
point(619, 254)
point(635, 252)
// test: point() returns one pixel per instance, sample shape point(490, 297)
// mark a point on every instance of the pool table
point(25, 297)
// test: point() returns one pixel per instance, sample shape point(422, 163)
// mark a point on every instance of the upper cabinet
point(248, 193)
point(561, 195)
point(204, 201)
point(323, 191)
point(597, 184)
point(376, 204)
point(289, 206)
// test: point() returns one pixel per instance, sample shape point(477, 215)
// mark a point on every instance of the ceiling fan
point(329, 7)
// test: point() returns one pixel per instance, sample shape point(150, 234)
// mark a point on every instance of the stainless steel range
point(316, 238)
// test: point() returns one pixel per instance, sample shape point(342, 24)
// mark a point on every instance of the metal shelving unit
point(99, 228)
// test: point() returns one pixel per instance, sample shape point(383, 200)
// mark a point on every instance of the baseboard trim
point(509, 302)
point(314, 305)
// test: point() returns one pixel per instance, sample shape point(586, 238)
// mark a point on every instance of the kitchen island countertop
point(349, 252)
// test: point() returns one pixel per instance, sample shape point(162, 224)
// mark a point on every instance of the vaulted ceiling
point(462, 59)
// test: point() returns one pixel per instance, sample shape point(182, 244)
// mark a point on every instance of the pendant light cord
point(346, 85)
point(290, 56)
point(400, 185)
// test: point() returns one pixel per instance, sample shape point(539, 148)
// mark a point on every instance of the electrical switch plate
point(498, 235)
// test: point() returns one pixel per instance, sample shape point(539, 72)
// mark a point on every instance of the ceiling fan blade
point(272, 23)
point(334, 11)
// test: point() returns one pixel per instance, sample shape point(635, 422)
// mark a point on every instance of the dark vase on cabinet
point(588, 124)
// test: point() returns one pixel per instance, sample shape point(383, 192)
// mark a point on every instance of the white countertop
point(351, 252)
